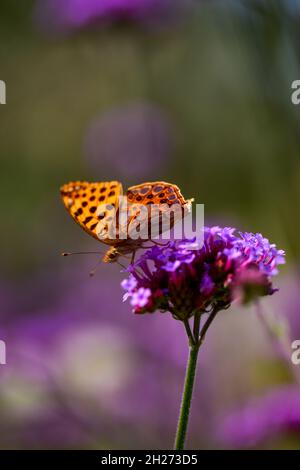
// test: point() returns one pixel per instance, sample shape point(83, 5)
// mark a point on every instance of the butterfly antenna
point(81, 253)
point(93, 271)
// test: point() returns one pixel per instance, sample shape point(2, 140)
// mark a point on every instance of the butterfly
point(104, 213)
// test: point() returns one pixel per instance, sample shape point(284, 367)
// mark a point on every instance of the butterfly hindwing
point(158, 192)
point(164, 202)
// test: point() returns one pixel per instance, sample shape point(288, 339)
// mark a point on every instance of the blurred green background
point(213, 87)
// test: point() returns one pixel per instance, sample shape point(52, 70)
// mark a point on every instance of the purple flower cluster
point(183, 279)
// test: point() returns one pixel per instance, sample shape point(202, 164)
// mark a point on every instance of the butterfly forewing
point(93, 205)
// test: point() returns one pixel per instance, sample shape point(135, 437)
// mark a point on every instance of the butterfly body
point(102, 210)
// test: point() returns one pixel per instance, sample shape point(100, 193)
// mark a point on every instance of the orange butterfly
point(96, 207)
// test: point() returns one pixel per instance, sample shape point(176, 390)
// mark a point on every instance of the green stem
point(186, 398)
point(195, 340)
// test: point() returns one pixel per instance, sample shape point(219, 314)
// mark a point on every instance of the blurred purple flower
point(184, 281)
point(129, 143)
point(74, 363)
point(277, 412)
point(57, 16)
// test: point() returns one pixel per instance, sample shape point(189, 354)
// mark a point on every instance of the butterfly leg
point(132, 257)
point(122, 265)
point(143, 247)
point(159, 244)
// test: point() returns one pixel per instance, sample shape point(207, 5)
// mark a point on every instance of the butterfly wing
point(93, 205)
point(155, 192)
point(158, 198)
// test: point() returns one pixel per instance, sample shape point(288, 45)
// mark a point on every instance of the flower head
point(178, 278)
